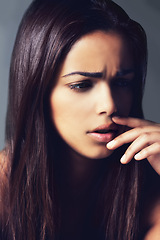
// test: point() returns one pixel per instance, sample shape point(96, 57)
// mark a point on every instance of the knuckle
point(138, 130)
point(145, 136)
point(141, 128)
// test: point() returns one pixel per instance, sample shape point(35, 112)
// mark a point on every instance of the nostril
point(103, 112)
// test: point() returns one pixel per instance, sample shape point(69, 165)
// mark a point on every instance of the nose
point(105, 103)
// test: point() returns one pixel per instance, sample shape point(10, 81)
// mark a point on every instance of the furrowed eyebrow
point(125, 72)
point(100, 74)
point(86, 74)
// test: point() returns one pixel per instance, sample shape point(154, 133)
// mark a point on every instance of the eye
point(122, 83)
point(81, 86)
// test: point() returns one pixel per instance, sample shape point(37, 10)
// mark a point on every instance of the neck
point(78, 173)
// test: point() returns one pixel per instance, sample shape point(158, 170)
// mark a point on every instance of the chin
point(99, 155)
point(92, 153)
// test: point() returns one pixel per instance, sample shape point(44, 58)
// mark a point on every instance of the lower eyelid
point(78, 85)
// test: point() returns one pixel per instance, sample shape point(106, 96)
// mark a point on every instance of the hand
point(144, 137)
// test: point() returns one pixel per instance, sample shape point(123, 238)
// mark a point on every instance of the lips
point(104, 133)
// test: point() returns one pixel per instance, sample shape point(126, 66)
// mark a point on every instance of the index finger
point(132, 122)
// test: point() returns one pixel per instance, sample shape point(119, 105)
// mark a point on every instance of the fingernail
point(111, 144)
point(137, 156)
point(123, 159)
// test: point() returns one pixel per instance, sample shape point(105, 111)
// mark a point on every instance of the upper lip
point(107, 127)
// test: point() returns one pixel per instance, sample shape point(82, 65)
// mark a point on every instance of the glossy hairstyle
point(46, 34)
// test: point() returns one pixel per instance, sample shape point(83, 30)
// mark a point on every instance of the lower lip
point(103, 138)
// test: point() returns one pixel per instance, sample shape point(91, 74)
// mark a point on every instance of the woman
point(75, 108)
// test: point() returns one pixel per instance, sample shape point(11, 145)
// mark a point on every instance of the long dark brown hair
point(46, 34)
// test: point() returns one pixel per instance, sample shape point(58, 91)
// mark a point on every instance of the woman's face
point(95, 82)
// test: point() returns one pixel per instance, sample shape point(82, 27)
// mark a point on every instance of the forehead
point(95, 51)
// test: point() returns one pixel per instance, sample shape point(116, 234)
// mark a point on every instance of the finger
point(147, 133)
point(132, 122)
point(133, 149)
point(151, 150)
point(138, 148)
point(122, 139)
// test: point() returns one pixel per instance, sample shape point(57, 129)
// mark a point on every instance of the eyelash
point(81, 86)
point(86, 85)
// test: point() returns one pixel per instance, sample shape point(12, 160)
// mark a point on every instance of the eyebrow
point(120, 73)
point(124, 72)
point(86, 74)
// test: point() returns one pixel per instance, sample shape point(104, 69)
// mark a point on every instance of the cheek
point(60, 111)
point(57, 107)
point(67, 110)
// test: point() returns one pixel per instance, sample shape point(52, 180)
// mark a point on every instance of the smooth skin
point(144, 137)
point(80, 103)
point(95, 82)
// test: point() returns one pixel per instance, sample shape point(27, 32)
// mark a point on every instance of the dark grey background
point(147, 12)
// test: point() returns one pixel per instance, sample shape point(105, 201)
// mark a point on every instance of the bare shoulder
point(4, 183)
point(4, 164)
